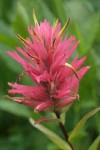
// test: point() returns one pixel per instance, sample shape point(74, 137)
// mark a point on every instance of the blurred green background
point(15, 15)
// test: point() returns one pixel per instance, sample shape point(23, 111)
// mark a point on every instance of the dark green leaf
point(82, 122)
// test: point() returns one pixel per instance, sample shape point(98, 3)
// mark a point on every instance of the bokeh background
point(16, 133)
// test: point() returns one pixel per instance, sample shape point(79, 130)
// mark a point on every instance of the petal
point(59, 61)
point(71, 50)
point(43, 105)
point(61, 94)
point(66, 102)
point(46, 119)
point(45, 77)
point(34, 92)
point(22, 52)
point(77, 63)
point(73, 80)
point(15, 56)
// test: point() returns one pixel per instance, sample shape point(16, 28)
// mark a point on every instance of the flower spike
point(44, 56)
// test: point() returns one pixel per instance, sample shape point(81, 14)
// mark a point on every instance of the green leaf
point(84, 24)
point(21, 21)
point(14, 108)
point(7, 36)
point(58, 10)
point(46, 13)
point(82, 122)
point(95, 144)
point(78, 10)
point(7, 10)
point(90, 26)
point(10, 62)
point(51, 136)
point(39, 7)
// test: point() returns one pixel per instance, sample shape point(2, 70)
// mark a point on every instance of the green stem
point(64, 130)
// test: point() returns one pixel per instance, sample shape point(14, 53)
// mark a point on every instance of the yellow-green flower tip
point(34, 18)
point(71, 67)
point(55, 22)
point(64, 28)
point(22, 39)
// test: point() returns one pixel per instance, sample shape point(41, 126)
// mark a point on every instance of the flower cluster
point(45, 59)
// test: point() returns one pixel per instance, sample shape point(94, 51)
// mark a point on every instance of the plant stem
point(64, 130)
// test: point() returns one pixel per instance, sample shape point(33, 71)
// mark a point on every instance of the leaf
point(87, 21)
point(95, 144)
point(9, 62)
point(82, 122)
point(21, 21)
point(51, 136)
point(63, 117)
point(90, 26)
point(58, 10)
point(38, 7)
point(74, 7)
point(6, 10)
point(14, 108)
point(7, 36)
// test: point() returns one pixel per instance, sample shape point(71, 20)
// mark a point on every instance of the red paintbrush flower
point(45, 60)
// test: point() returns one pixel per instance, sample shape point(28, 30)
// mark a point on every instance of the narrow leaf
point(21, 21)
point(82, 122)
point(57, 8)
point(51, 136)
point(14, 108)
point(95, 144)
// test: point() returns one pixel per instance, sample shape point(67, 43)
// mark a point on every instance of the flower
point(45, 60)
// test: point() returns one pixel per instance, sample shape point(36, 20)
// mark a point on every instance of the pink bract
point(45, 60)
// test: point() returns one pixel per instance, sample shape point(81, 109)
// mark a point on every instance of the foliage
point(15, 16)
